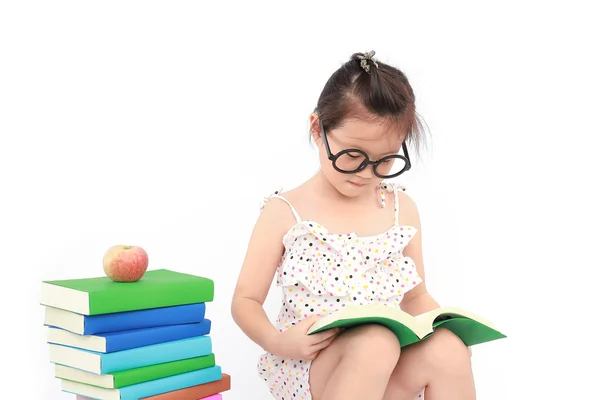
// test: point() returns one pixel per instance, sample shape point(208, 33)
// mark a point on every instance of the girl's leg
point(441, 364)
point(356, 365)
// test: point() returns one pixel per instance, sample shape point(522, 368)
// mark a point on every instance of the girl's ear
point(314, 126)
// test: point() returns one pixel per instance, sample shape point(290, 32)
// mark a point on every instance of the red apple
point(125, 263)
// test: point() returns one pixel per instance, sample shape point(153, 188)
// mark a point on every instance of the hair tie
point(364, 61)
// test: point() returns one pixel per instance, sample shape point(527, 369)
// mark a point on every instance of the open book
point(470, 328)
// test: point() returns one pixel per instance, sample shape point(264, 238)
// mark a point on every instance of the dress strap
point(391, 187)
point(278, 196)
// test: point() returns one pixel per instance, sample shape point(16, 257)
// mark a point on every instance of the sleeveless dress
point(321, 272)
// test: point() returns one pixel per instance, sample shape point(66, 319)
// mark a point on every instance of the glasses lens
point(350, 161)
point(390, 166)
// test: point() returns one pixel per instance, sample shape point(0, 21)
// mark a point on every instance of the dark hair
point(383, 94)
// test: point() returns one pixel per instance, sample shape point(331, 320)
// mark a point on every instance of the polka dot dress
point(321, 272)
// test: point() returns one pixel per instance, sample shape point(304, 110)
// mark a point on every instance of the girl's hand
point(296, 344)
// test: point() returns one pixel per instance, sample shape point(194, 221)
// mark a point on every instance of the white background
point(163, 124)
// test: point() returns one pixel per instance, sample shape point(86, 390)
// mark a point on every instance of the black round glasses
point(350, 161)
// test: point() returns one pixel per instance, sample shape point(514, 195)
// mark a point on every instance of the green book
point(469, 327)
point(116, 380)
point(101, 295)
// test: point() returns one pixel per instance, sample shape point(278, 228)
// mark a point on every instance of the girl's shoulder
point(282, 209)
point(406, 206)
point(278, 193)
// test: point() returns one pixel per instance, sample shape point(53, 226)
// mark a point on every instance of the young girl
point(344, 237)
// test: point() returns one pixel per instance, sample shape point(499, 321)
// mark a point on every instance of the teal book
point(100, 295)
point(106, 363)
point(472, 329)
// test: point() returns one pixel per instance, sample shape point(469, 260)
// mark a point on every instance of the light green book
point(134, 376)
point(469, 327)
point(101, 295)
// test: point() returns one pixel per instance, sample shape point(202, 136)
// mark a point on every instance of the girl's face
point(373, 139)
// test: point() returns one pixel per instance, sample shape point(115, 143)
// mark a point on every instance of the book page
point(370, 314)
point(430, 316)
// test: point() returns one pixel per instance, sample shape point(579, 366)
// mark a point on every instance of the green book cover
point(157, 371)
point(469, 327)
point(101, 295)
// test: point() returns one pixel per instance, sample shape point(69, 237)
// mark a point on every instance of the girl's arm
point(417, 300)
point(260, 264)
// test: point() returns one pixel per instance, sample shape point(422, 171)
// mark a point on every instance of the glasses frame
point(333, 157)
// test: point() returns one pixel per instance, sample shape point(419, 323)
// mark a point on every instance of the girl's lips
point(357, 184)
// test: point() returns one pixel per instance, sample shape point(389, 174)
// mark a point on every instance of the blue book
point(103, 363)
point(117, 341)
point(124, 321)
point(146, 389)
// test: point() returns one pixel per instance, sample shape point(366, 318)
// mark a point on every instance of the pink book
point(218, 396)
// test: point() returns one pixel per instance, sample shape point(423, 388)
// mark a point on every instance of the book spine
point(139, 319)
point(155, 354)
point(197, 391)
point(146, 337)
point(171, 383)
point(143, 297)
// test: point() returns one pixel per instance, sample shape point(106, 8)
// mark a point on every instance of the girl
point(345, 237)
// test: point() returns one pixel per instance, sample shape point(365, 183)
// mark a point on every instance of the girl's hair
point(372, 91)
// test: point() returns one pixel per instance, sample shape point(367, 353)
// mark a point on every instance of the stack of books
point(148, 339)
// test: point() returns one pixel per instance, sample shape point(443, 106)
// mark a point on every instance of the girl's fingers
point(324, 343)
point(325, 335)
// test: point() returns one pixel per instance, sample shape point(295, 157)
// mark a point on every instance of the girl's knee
point(447, 352)
point(376, 343)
